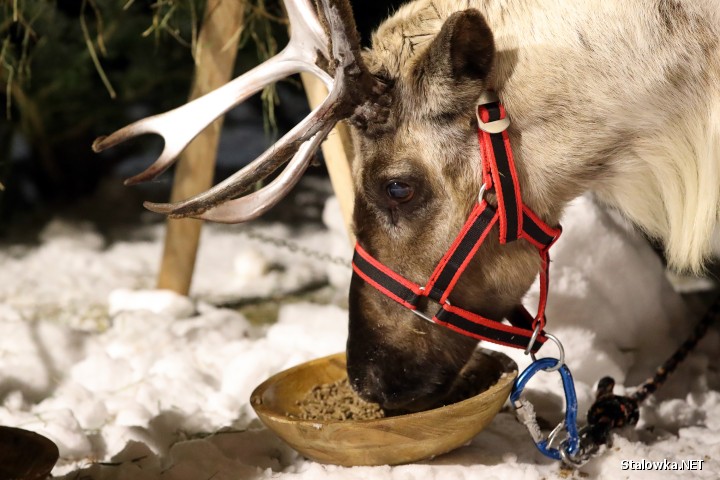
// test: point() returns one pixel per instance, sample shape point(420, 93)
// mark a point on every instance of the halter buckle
point(422, 315)
point(495, 126)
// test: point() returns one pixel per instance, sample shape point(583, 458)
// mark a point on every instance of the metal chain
point(294, 247)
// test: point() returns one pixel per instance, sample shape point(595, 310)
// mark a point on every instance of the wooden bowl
point(385, 441)
point(25, 455)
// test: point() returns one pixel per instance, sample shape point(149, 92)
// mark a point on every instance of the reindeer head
point(416, 181)
point(411, 102)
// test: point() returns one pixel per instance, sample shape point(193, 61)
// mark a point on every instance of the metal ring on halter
point(561, 358)
point(535, 334)
point(481, 193)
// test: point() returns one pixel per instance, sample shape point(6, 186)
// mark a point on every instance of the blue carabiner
point(571, 445)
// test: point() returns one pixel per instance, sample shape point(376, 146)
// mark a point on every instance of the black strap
point(397, 290)
point(533, 229)
point(482, 328)
point(442, 281)
point(507, 186)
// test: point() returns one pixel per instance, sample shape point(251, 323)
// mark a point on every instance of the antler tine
point(178, 127)
point(352, 86)
point(320, 120)
point(257, 203)
point(305, 30)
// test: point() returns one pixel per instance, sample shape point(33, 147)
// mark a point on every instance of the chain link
point(294, 247)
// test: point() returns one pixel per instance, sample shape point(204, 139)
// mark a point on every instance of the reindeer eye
point(399, 191)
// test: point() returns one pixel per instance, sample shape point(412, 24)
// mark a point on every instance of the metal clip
point(587, 449)
point(525, 413)
point(570, 446)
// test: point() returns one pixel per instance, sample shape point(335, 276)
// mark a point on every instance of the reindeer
point(621, 98)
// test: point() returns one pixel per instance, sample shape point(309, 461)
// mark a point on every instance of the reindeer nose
point(369, 385)
point(378, 384)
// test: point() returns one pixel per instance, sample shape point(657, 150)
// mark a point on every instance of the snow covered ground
point(133, 383)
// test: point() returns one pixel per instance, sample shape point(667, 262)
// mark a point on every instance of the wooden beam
point(215, 55)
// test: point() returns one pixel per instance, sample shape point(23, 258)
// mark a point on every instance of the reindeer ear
point(455, 66)
point(471, 45)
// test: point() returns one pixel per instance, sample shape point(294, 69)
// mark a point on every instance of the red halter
point(515, 221)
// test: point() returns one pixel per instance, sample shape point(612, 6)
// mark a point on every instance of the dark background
point(46, 162)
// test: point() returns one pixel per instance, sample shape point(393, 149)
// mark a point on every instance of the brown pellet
point(337, 401)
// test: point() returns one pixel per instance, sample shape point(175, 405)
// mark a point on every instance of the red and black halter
point(515, 221)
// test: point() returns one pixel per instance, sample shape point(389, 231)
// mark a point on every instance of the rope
point(662, 372)
point(611, 411)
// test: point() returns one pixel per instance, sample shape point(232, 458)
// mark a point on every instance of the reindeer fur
point(618, 97)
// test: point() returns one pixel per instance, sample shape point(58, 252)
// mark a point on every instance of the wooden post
point(215, 58)
point(214, 62)
point(337, 150)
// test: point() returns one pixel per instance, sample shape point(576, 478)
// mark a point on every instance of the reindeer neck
point(549, 153)
point(603, 95)
point(551, 173)
point(620, 100)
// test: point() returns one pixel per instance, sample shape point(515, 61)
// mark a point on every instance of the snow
point(135, 383)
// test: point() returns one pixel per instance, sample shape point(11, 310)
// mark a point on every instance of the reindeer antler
point(351, 88)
